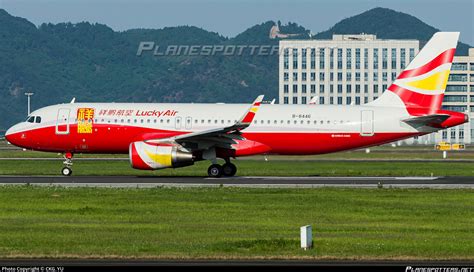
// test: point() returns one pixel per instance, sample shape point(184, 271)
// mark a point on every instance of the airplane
point(158, 136)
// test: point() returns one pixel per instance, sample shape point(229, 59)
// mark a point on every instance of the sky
point(230, 17)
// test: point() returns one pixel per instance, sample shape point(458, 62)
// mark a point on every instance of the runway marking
point(215, 185)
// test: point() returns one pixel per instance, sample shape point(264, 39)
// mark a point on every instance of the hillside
point(92, 62)
point(387, 24)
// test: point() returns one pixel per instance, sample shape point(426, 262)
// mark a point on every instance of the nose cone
point(8, 135)
point(13, 136)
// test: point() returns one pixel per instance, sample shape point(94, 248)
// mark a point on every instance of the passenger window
point(38, 119)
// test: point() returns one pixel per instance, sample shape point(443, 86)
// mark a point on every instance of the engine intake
point(149, 156)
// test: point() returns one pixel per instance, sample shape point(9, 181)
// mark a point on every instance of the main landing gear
point(228, 169)
point(67, 171)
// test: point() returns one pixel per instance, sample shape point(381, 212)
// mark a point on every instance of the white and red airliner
point(158, 136)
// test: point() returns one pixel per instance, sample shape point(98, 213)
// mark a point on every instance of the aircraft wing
point(432, 120)
point(219, 137)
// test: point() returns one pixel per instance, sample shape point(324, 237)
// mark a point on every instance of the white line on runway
point(194, 185)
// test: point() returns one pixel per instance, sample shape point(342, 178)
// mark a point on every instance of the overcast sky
point(230, 17)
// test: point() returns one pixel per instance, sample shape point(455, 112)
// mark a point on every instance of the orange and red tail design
point(422, 84)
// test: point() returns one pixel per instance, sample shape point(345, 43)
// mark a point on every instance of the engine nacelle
point(149, 156)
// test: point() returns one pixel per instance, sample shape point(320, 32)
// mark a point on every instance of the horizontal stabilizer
point(432, 120)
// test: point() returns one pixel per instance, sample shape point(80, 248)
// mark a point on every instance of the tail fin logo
point(421, 86)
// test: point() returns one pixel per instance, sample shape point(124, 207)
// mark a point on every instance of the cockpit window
point(38, 119)
point(31, 119)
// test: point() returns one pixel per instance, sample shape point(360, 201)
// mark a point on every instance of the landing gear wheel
point(66, 171)
point(229, 169)
point(215, 171)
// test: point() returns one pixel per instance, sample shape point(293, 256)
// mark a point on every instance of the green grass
point(57, 222)
point(249, 168)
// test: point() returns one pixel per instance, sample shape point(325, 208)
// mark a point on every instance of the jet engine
point(152, 156)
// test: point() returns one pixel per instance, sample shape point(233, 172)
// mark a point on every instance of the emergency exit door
point(62, 121)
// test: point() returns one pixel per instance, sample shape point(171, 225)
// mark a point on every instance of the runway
point(244, 182)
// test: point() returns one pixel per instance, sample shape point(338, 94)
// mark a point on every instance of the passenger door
point(62, 122)
point(367, 123)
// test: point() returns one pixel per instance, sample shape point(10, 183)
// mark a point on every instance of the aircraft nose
point(8, 134)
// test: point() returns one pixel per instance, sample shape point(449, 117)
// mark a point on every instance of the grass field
point(236, 223)
point(249, 168)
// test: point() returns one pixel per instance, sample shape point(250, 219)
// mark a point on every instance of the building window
point(313, 58)
point(444, 135)
point(313, 76)
point(357, 100)
point(303, 58)
point(295, 88)
point(366, 100)
point(459, 67)
point(457, 77)
point(384, 87)
point(331, 58)
point(366, 58)
point(366, 76)
point(313, 88)
point(366, 88)
point(303, 76)
point(295, 100)
point(303, 100)
point(321, 100)
point(357, 64)
point(321, 88)
point(455, 108)
point(339, 58)
point(331, 100)
point(348, 76)
point(402, 58)
point(331, 76)
point(376, 88)
point(285, 100)
point(321, 58)
point(285, 76)
point(357, 88)
point(394, 58)
point(285, 88)
point(348, 58)
point(339, 88)
point(412, 54)
point(331, 88)
point(394, 76)
point(285, 58)
point(384, 76)
point(339, 76)
point(321, 76)
point(357, 76)
point(295, 76)
point(456, 98)
point(453, 134)
point(376, 76)
point(339, 100)
point(303, 88)
point(295, 58)
point(461, 133)
point(457, 88)
point(376, 58)
point(384, 58)
point(472, 66)
point(349, 88)
point(348, 100)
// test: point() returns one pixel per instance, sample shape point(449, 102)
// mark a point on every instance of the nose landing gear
point(67, 171)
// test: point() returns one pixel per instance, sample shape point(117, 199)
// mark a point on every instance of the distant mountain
point(387, 24)
point(92, 62)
